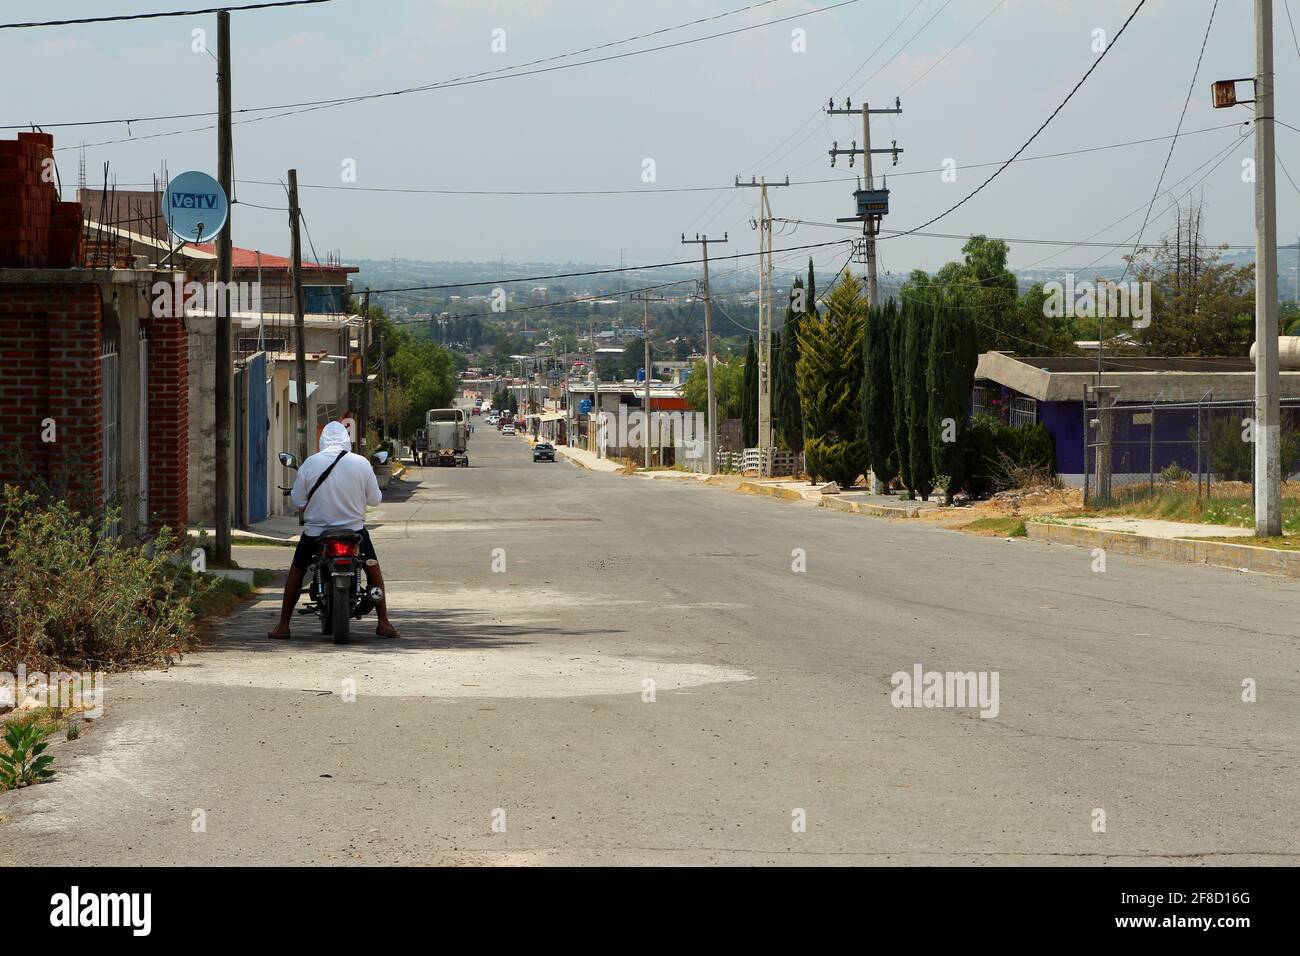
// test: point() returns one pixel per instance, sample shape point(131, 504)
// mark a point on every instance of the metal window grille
point(109, 376)
point(1024, 411)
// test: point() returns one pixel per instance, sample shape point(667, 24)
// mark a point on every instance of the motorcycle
point(335, 579)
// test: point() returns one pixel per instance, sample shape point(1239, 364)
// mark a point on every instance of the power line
point(1286, 5)
point(417, 190)
point(1061, 106)
point(598, 272)
point(1170, 155)
point(503, 73)
point(529, 192)
point(121, 18)
point(798, 129)
point(996, 7)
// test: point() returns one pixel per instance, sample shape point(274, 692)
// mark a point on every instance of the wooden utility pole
point(224, 368)
point(365, 373)
point(383, 371)
point(764, 226)
point(299, 325)
point(646, 298)
point(708, 349)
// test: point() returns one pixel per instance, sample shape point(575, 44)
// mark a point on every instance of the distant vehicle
point(478, 401)
point(493, 419)
point(476, 410)
point(507, 429)
point(543, 451)
point(447, 433)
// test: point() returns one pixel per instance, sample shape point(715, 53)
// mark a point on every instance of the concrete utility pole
point(870, 221)
point(299, 325)
point(362, 444)
point(646, 298)
point(225, 371)
point(764, 226)
point(1268, 467)
point(708, 349)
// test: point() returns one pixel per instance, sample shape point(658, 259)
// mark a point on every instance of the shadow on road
point(422, 630)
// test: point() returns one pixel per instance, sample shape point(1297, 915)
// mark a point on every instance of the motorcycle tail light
point(336, 549)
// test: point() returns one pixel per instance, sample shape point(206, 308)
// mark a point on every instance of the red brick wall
point(50, 343)
point(169, 421)
point(36, 230)
point(50, 339)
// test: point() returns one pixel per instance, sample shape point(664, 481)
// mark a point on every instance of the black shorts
point(306, 549)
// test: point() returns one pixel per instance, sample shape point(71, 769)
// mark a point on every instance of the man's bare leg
point(375, 578)
point(292, 591)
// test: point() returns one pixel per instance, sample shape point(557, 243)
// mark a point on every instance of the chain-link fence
point(1137, 451)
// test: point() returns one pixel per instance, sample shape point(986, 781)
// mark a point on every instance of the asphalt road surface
point(603, 669)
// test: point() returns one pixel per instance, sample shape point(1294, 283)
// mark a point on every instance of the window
point(1024, 411)
point(324, 298)
point(979, 402)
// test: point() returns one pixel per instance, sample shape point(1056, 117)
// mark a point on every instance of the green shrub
point(26, 762)
point(839, 461)
point(1004, 456)
point(73, 594)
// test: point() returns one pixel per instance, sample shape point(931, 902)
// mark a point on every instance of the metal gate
point(258, 423)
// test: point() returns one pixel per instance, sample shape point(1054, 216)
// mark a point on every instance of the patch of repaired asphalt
point(498, 659)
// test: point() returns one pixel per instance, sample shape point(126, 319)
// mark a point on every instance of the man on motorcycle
point(340, 501)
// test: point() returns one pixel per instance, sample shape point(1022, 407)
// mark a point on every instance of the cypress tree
point(830, 385)
point(950, 376)
point(898, 376)
point(785, 386)
point(916, 349)
point(749, 398)
point(878, 391)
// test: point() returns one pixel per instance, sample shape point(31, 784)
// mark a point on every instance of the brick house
point(93, 386)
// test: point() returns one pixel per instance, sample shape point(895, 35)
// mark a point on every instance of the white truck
point(446, 434)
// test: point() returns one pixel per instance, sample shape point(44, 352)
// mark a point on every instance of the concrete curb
point(769, 491)
point(864, 508)
point(1184, 550)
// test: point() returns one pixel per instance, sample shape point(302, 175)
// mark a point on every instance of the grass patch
point(1001, 527)
point(211, 596)
point(1176, 505)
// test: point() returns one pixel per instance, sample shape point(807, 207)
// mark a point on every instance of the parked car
point(507, 429)
point(543, 451)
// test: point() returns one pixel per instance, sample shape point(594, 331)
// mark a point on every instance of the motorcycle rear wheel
point(340, 609)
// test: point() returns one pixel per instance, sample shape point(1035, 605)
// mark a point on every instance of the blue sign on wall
point(584, 406)
point(195, 207)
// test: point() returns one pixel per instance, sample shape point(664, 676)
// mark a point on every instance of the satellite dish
point(195, 207)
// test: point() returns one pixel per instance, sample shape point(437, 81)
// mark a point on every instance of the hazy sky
point(703, 112)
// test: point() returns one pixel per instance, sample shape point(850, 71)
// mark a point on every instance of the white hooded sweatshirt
point(341, 500)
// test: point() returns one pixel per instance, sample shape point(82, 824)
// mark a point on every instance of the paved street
point(523, 697)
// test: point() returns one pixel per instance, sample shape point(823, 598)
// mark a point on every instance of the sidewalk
point(1168, 540)
point(583, 458)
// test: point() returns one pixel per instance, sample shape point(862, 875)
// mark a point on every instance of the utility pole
point(299, 325)
point(764, 226)
point(869, 202)
point(383, 372)
point(225, 371)
point(1268, 467)
point(708, 349)
point(362, 444)
point(646, 298)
